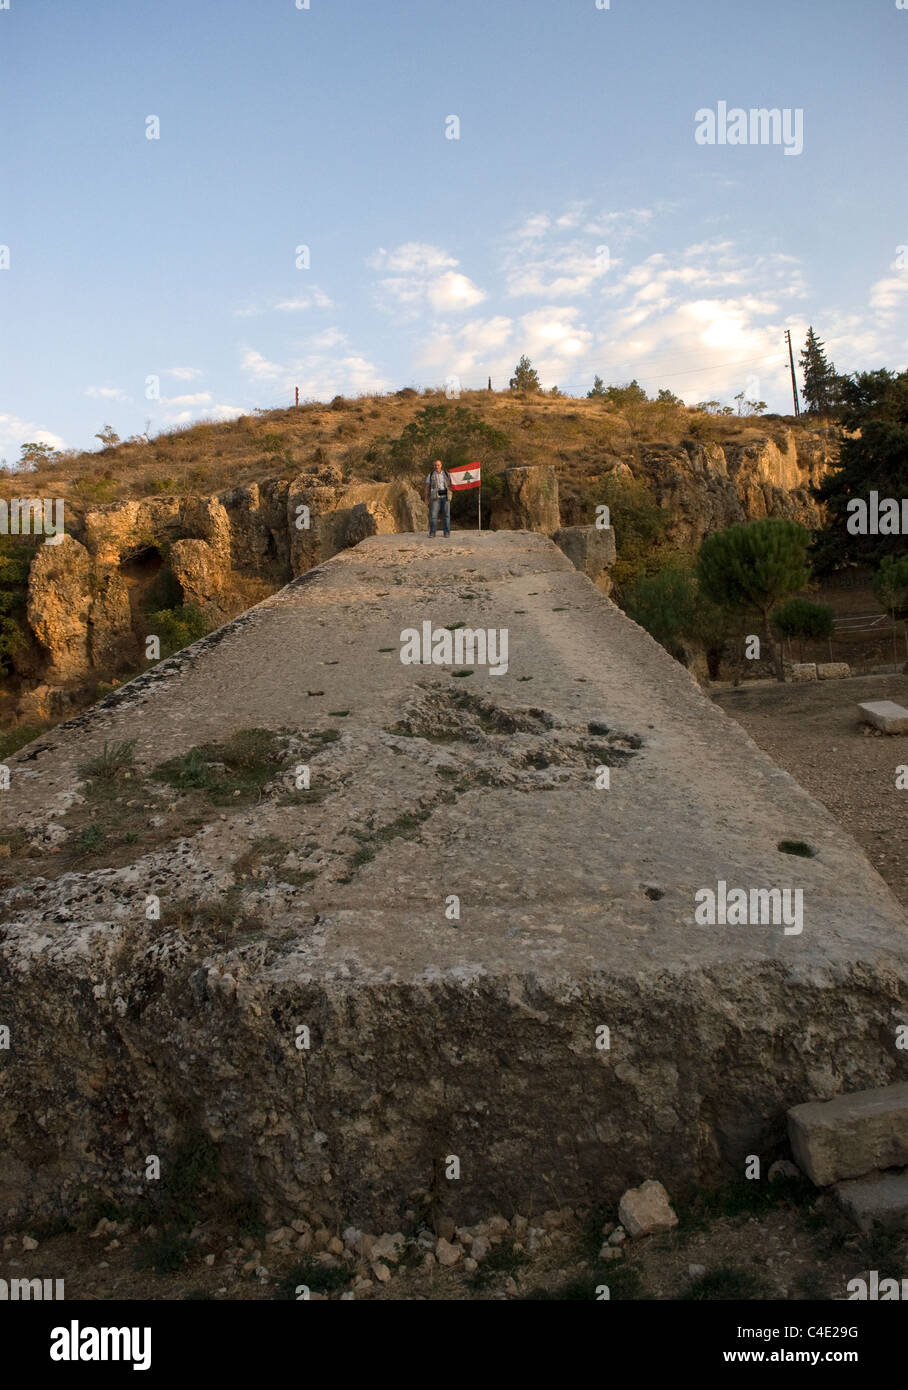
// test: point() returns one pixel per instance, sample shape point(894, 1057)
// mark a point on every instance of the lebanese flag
point(463, 476)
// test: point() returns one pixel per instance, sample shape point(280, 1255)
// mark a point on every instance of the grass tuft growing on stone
point(230, 773)
point(113, 760)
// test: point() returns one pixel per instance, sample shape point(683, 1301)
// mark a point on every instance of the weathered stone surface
point(110, 636)
point(589, 549)
point(851, 1134)
point(58, 605)
point(529, 501)
point(644, 1210)
point(707, 486)
point(879, 1197)
point(800, 670)
point(202, 576)
point(885, 715)
point(431, 1036)
point(833, 671)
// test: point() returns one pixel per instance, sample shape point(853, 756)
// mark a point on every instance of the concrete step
point(881, 1197)
point(851, 1135)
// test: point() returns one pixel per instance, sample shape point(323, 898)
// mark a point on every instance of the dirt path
point(814, 732)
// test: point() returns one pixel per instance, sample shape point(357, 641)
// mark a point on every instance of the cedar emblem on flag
point(464, 475)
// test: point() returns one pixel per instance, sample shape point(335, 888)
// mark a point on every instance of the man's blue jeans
point(445, 504)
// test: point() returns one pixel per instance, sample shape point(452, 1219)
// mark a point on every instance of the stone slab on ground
point(429, 1036)
point(851, 1135)
point(879, 1197)
point(801, 671)
point(833, 671)
point(885, 715)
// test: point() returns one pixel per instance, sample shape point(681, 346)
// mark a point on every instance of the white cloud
point(550, 257)
point(311, 298)
point(199, 398)
point(411, 258)
point(318, 372)
point(460, 353)
point(259, 368)
point(182, 373)
point(423, 277)
point(315, 299)
point(107, 393)
point(14, 432)
point(707, 320)
point(887, 294)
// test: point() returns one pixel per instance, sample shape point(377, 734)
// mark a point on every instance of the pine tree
point(752, 566)
point(598, 388)
point(525, 377)
point(820, 380)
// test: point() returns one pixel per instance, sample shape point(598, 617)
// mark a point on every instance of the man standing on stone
point(438, 497)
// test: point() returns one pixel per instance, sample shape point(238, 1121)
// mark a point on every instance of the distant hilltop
point(171, 536)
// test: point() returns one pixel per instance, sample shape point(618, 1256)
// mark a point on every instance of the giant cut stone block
point(311, 1014)
point(852, 1134)
point(589, 548)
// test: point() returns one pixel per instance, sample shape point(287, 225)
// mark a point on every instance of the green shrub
point(178, 627)
point(802, 619)
point(640, 526)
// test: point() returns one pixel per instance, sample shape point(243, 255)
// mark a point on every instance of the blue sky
point(576, 217)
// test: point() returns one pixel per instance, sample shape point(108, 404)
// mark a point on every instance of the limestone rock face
point(577, 908)
point(201, 574)
point(111, 533)
point(708, 487)
point(58, 605)
point(366, 519)
point(227, 550)
point(110, 636)
point(529, 501)
point(589, 549)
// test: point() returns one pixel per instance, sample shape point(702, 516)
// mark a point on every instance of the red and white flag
point(464, 475)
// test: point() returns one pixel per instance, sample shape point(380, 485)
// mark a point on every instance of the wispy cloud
point(422, 277)
point(311, 298)
point(197, 398)
point(319, 372)
point(14, 432)
point(182, 373)
point(107, 393)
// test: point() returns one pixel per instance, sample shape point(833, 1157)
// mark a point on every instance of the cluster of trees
point(740, 576)
point(752, 574)
point(825, 391)
point(15, 559)
point(33, 454)
point(873, 457)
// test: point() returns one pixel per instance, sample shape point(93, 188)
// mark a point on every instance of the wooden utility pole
point(297, 389)
point(490, 383)
point(791, 361)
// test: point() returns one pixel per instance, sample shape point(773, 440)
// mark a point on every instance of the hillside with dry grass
point(581, 437)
